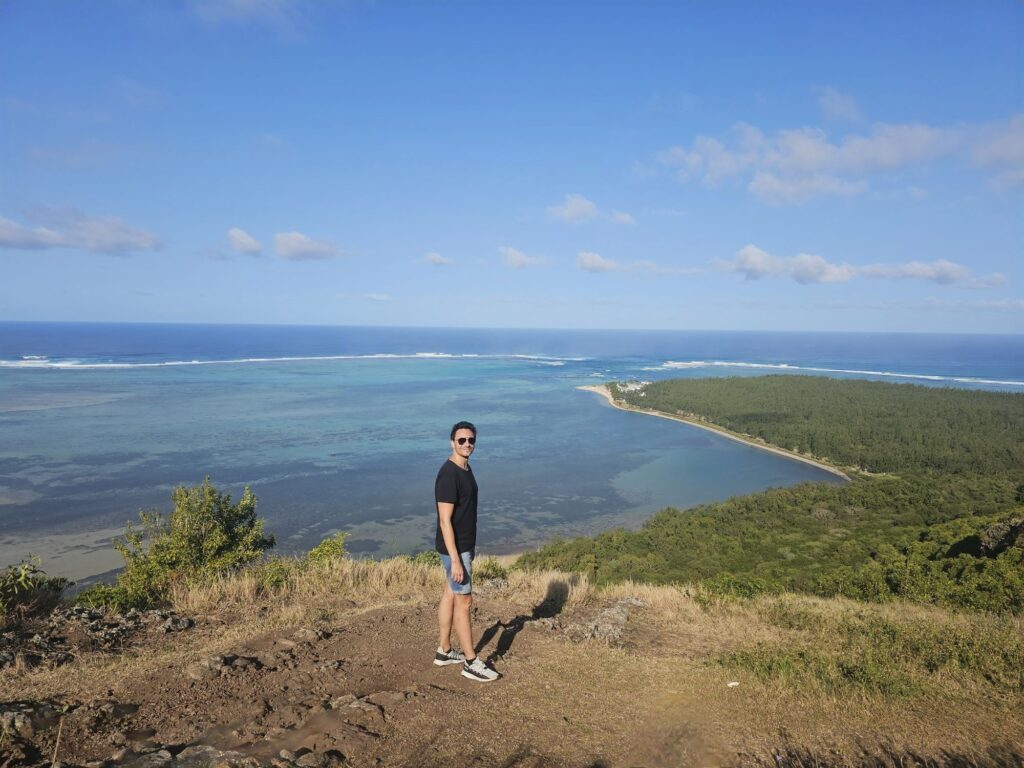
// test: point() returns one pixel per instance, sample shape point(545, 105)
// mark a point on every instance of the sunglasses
point(464, 440)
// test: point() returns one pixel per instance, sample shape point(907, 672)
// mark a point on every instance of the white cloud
point(517, 259)
point(838, 107)
point(589, 261)
point(1000, 149)
point(70, 228)
point(296, 246)
point(806, 268)
point(377, 297)
point(777, 190)
point(795, 164)
point(941, 271)
point(242, 242)
point(594, 262)
point(438, 260)
point(985, 281)
point(754, 263)
point(575, 208)
point(14, 235)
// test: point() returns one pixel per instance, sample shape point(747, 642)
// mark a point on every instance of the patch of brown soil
point(609, 680)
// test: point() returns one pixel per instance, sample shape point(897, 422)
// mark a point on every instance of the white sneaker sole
point(476, 679)
point(439, 663)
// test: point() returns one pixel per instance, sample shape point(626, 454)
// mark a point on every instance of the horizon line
point(199, 323)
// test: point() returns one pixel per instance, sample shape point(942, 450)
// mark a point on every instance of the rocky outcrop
point(74, 629)
point(1001, 536)
point(607, 625)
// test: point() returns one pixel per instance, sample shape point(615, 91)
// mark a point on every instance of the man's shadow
point(548, 608)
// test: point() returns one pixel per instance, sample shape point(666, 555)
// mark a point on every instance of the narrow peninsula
point(695, 421)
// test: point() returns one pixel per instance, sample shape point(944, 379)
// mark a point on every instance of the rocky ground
point(73, 630)
point(362, 691)
point(607, 681)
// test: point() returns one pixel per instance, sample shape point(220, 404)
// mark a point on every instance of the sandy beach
point(602, 389)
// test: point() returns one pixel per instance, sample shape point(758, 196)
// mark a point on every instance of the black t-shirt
point(457, 486)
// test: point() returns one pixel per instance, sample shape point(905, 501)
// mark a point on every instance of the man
point(455, 493)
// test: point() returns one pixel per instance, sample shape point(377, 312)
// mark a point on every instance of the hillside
point(952, 464)
point(335, 670)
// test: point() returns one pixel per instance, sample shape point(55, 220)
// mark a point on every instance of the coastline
point(602, 389)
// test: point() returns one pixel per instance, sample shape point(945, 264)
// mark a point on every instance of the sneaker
point(451, 656)
point(479, 671)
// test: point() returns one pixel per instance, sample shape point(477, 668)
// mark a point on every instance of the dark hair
point(462, 425)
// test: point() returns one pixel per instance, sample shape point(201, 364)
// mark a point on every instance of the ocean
point(344, 428)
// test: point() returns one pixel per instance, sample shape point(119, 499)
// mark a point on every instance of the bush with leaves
point(427, 557)
point(965, 563)
point(489, 568)
point(25, 588)
point(330, 549)
point(205, 535)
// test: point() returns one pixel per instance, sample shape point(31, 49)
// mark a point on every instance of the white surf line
point(602, 389)
point(41, 362)
point(672, 365)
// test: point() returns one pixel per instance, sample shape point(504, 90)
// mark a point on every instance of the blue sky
point(785, 166)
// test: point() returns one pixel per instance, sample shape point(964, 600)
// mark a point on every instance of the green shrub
point(489, 568)
point(25, 588)
point(205, 535)
point(331, 548)
point(275, 573)
point(427, 557)
point(945, 566)
point(728, 585)
point(103, 596)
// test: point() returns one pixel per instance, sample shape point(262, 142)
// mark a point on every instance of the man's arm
point(445, 510)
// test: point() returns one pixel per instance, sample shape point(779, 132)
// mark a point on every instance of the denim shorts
point(465, 587)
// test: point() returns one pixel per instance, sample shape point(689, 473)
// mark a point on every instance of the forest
point(934, 514)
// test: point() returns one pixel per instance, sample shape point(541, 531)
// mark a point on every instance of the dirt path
point(365, 687)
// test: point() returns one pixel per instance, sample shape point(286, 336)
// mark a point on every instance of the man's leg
point(445, 611)
point(463, 628)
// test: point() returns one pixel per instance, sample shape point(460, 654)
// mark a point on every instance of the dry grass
point(366, 582)
point(238, 607)
point(910, 674)
point(825, 646)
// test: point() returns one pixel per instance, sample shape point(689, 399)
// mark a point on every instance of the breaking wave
point(42, 361)
point(672, 365)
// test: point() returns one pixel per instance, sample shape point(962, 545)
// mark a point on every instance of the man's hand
point(458, 574)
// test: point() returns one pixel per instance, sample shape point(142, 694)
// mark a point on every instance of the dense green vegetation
point(876, 426)
point(945, 528)
point(204, 536)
